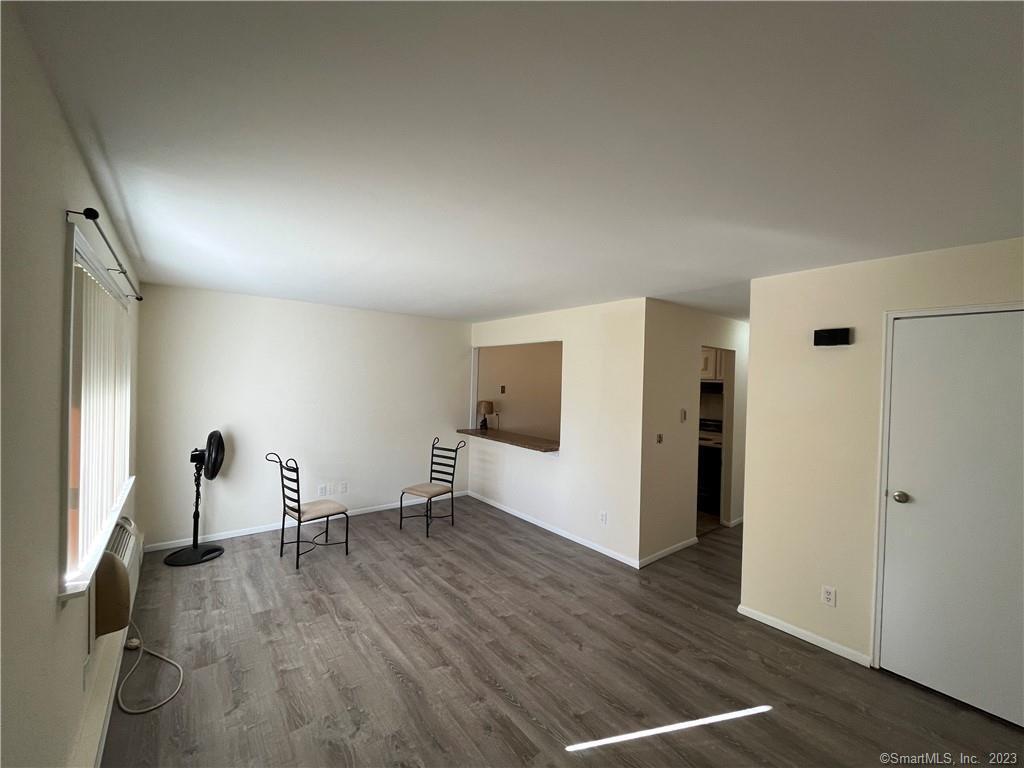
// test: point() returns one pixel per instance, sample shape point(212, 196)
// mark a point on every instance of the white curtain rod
point(93, 215)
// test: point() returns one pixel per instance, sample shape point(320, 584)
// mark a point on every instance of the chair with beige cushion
point(292, 506)
point(442, 478)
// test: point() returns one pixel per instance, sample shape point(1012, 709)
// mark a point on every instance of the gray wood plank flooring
point(495, 643)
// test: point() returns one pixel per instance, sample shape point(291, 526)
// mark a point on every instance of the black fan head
point(214, 455)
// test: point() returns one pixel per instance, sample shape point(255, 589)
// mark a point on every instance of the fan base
point(194, 555)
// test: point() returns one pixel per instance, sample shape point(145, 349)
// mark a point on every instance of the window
point(99, 412)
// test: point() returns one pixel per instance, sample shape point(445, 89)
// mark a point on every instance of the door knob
point(900, 497)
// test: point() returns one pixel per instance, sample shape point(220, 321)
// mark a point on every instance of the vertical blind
point(100, 410)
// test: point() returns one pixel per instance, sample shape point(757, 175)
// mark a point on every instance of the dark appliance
point(709, 470)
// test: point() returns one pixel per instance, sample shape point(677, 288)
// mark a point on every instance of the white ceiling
point(484, 160)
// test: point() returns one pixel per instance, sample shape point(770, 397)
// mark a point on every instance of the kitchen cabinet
point(712, 364)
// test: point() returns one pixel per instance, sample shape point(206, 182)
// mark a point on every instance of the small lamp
point(483, 408)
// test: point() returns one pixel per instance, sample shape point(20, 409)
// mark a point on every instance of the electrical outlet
point(321, 490)
point(661, 438)
point(828, 595)
point(341, 486)
point(604, 517)
point(503, 389)
point(682, 415)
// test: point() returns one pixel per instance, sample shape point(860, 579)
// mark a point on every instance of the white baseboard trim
point(732, 523)
point(289, 523)
point(667, 551)
point(840, 650)
point(630, 561)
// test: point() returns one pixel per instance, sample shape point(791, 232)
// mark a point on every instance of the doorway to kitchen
point(717, 375)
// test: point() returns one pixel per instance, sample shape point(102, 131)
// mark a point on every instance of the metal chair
point(442, 477)
point(292, 506)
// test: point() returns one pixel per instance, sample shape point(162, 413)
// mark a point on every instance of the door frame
point(883, 469)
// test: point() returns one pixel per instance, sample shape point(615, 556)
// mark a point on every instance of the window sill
point(77, 583)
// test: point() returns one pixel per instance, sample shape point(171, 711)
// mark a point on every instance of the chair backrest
point(290, 499)
point(442, 462)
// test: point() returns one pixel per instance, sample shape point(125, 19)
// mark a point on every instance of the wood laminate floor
point(707, 523)
point(496, 643)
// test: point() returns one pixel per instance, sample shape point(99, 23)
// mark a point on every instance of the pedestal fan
point(208, 463)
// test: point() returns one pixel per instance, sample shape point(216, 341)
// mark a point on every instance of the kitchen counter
point(531, 443)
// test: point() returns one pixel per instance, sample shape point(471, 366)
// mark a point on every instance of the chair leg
point(400, 511)
point(283, 517)
point(346, 535)
point(453, 509)
point(327, 529)
point(298, 535)
point(429, 502)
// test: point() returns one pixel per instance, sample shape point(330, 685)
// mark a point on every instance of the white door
point(953, 570)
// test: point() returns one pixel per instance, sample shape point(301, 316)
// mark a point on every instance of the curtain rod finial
point(91, 214)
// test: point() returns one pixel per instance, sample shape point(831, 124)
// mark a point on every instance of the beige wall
point(598, 465)
point(628, 367)
point(354, 396)
point(532, 376)
point(672, 341)
point(814, 420)
point(44, 642)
